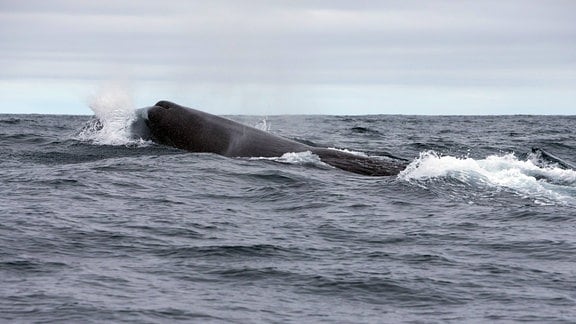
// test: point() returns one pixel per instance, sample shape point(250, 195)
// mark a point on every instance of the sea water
point(97, 226)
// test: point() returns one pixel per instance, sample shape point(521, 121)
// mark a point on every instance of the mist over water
point(99, 226)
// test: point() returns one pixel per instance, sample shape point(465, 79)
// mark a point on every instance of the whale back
point(197, 131)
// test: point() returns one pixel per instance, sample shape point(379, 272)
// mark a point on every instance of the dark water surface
point(93, 230)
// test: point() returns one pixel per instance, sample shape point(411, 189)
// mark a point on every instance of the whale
point(170, 124)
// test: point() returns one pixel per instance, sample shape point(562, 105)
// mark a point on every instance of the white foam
point(114, 111)
point(301, 158)
point(349, 151)
point(523, 177)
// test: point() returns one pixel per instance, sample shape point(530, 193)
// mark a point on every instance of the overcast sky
point(292, 56)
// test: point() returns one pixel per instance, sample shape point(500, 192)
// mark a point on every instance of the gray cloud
point(489, 43)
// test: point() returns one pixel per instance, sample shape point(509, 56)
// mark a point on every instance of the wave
point(544, 184)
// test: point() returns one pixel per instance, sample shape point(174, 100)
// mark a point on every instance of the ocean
point(100, 227)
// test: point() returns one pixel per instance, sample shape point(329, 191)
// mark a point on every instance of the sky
point(267, 57)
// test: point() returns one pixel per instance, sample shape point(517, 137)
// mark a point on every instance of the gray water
point(474, 230)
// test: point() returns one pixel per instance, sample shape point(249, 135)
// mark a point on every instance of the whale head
point(184, 128)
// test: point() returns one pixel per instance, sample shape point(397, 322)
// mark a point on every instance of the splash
point(540, 183)
point(357, 153)
point(264, 125)
point(300, 158)
point(114, 112)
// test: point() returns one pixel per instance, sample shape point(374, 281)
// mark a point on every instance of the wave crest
point(540, 183)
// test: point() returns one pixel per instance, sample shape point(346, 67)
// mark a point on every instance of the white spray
point(114, 111)
point(524, 177)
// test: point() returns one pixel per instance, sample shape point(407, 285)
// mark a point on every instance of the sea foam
point(300, 158)
point(507, 171)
